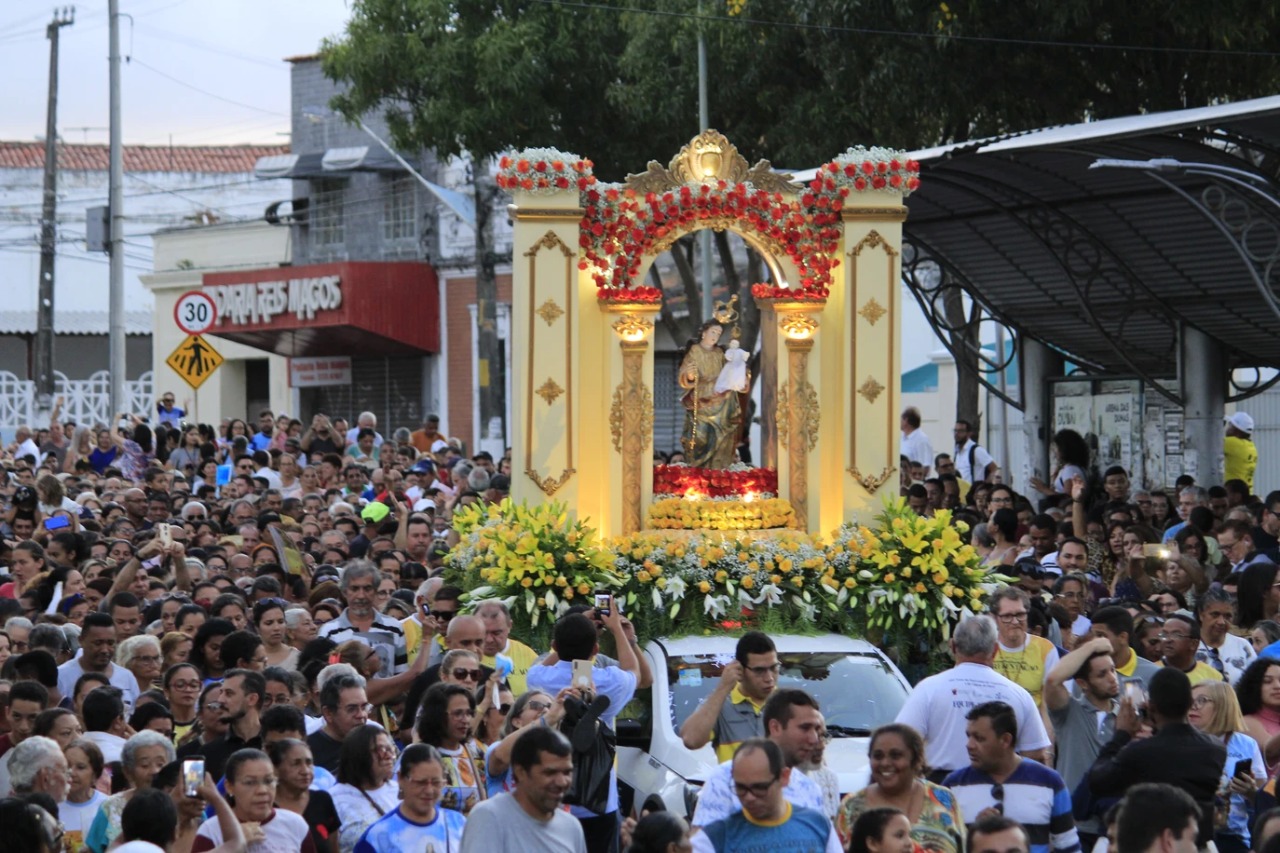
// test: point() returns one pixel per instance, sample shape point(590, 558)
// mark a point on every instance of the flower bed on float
point(736, 498)
point(902, 575)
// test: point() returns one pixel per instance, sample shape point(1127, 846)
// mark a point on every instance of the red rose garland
point(683, 480)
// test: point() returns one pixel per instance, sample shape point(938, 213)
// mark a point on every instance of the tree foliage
point(795, 82)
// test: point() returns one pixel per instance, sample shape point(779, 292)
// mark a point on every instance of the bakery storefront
point(359, 336)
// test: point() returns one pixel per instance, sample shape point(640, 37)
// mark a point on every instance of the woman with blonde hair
point(1216, 713)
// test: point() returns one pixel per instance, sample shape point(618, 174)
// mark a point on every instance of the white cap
point(438, 445)
point(1242, 422)
point(424, 505)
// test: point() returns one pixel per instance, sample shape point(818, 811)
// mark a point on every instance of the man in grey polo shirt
point(746, 684)
point(1084, 724)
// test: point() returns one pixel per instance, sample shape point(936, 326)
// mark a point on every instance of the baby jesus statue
point(733, 376)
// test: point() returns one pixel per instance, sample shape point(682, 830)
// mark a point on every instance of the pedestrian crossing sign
point(194, 360)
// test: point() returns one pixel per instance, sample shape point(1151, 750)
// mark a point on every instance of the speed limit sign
point(195, 312)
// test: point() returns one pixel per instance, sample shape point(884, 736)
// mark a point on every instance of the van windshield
point(857, 692)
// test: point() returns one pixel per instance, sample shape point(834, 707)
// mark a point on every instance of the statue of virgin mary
point(712, 421)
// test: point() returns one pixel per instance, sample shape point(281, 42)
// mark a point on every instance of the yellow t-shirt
point(1241, 459)
point(1029, 667)
point(1202, 673)
point(522, 658)
point(413, 637)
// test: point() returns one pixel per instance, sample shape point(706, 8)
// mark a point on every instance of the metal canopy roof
point(1107, 264)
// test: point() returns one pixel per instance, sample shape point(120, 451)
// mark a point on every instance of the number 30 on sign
point(195, 312)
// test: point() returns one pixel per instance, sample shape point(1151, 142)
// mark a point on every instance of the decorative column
point(631, 412)
point(787, 328)
point(545, 327)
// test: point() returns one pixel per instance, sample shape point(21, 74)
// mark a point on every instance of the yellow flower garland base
point(684, 514)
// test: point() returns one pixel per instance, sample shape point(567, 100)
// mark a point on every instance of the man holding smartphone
point(575, 639)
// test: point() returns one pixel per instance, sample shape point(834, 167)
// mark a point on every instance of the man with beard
point(362, 621)
point(242, 693)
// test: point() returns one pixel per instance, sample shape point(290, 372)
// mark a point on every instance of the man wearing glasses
point(1021, 657)
point(793, 722)
point(732, 713)
point(1180, 640)
point(767, 820)
point(998, 781)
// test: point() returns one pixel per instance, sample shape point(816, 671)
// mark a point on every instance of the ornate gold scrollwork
point(872, 311)
point(550, 311)
point(870, 389)
point(549, 486)
point(709, 156)
point(549, 391)
point(623, 410)
point(798, 325)
point(550, 240)
point(806, 406)
point(632, 327)
point(869, 482)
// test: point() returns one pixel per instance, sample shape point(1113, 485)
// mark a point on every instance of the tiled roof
point(74, 322)
point(219, 159)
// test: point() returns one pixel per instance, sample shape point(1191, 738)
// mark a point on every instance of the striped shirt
point(1033, 795)
point(386, 636)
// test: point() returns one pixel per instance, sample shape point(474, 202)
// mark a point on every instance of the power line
point(200, 45)
point(205, 92)
point(935, 36)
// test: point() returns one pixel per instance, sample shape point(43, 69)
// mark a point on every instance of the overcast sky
point(231, 50)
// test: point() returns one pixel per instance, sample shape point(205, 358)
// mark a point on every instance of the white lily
point(715, 606)
point(807, 611)
point(770, 594)
point(675, 588)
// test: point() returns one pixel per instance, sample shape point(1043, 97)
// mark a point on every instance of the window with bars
point(326, 214)
point(400, 210)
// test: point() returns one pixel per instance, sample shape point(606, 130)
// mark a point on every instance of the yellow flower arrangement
point(534, 558)
point(913, 572)
point(681, 514)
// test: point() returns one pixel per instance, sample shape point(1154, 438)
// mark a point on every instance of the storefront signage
point(259, 303)
point(315, 372)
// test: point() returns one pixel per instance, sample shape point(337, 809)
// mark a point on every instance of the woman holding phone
point(1215, 711)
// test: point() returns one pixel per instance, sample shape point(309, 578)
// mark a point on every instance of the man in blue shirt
point(261, 440)
point(767, 820)
point(575, 639)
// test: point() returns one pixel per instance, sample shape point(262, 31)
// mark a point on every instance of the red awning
point(358, 308)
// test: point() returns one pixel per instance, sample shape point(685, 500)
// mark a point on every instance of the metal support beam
point(1204, 375)
point(1036, 366)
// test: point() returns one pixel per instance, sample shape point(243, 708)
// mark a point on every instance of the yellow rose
point(643, 576)
point(850, 583)
point(722, 576)
point(889, 578)
point(748, 582)
point(797, 580)
point(567, 595)
point(704, 587)
point(584, 588)
point(526, 582)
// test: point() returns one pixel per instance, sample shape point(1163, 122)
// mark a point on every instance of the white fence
point(85, 401)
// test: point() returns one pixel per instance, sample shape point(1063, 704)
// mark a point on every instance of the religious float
point(710, 544)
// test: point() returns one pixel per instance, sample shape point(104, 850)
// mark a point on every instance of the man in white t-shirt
point(973, 462)
point(915, 444)
point(937, 706)
point(97, 647)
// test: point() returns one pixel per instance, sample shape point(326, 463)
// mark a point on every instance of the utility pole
point(493, 398)
point(704, 121)
point(115, 245)
point(64, 17)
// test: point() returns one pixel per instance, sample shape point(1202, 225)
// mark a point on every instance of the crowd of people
point(228, 638)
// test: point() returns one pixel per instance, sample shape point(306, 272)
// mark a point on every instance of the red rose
point(540, 166)
point(868, 167)
point(877, 182)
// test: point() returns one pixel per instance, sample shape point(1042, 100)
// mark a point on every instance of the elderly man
point(362, 621)
point(37, 765)
point(366, 420)
point(937, 706)
point(497, 641)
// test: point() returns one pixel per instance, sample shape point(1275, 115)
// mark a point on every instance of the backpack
point(594, 746)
